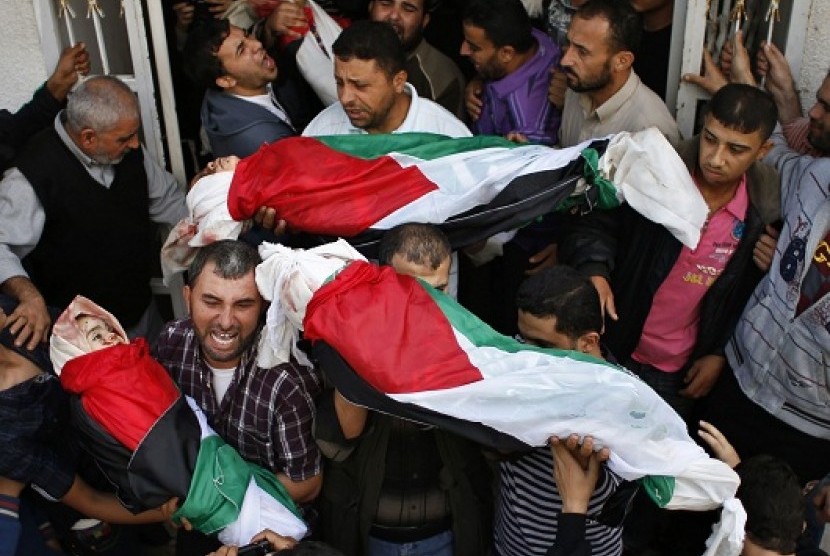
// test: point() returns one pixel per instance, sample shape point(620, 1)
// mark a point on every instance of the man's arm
point(21, 224)
point(105, 506)
point(292, 437)
point(167, 204)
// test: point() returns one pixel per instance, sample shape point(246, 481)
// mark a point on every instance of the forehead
point(476, 35)
point(434, 276)
point(210, 283)
point(124, 127)
point(542, 328)
point(418, 5)
point(726, 134)
point(228, 46)
point(590, 33)
point(356, 69)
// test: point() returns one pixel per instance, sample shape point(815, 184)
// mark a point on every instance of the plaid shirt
point(266, 414)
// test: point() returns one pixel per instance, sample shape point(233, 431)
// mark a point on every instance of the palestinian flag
point(154, 444)
point(356, 186)
point(413, 352)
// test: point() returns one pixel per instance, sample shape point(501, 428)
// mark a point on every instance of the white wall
point(21, 65)
point(816, 59)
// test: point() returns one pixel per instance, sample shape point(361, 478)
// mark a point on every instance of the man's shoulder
point(431, 117)
point(331, 121)
point(177, 336)
point(286, 380)
point(434, 61)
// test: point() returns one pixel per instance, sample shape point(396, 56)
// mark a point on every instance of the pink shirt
point(670, 329)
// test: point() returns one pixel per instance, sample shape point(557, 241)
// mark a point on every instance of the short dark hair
point(563, 293)
point(201, 60)
point(372, 40)
point(423, 244)
point(233, 259)
point(744, 108)
point(771, 495)
point(505, 22)
point(625, 24)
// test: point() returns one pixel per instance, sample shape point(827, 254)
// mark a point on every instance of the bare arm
point(105, 506)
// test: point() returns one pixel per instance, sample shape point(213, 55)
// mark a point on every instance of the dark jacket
point(17, 128)
point(636, 255)
point(353, 478)
point(238, 127)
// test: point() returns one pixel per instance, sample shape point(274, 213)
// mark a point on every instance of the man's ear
point(762, 152)
point(88, 139)
point(506, 53)
point(399, 80)
point(425, 21)
point(186, 294)
point(225, 81)
point(623, 60)
point(588, 343)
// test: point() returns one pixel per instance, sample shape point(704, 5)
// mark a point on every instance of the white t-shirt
point(222, 379)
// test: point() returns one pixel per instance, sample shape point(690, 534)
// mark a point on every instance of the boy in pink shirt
point(670, 309)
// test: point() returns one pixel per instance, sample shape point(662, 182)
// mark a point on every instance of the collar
point(610, 107)
point(60, 128)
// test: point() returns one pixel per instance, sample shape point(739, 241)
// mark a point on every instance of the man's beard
point(599, 82)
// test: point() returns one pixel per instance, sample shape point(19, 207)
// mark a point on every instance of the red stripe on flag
point(388, 328)
point(319, 190)
point(122, 388)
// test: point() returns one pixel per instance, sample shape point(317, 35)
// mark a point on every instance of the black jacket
point(636, 255)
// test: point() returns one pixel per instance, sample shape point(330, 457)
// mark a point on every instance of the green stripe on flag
point(481, 335)
point(607, 191)
point(659, 488)
point(425, 146)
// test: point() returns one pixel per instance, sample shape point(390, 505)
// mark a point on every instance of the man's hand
point(741, 70)
point(30, 321)
point(764, 249)
point(576, 470)
point(702, 375)
point(721, 447)
point(773, 66)
point(516, 137)
point(712, 79)
point(74, 61)
point(185, 12)
point(606, 297)
point(218, 7)
point(545, 258)
point(286, 16)
point(266, 218)
point(557, 87)
point(472, 98)
point(277, 542)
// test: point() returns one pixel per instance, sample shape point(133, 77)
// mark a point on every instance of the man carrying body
point(677, 306)
point(557, 308)
point(76, 213)
point(373, 92)
point(394, 485)
point(239, 111)
point(265, 413)
point(513, 60)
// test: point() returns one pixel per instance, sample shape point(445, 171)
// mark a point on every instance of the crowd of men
point(733, 334)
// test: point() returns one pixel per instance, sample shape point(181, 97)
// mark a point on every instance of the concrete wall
point(21, 65)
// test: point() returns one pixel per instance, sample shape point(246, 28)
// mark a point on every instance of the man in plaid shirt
point(266, 414)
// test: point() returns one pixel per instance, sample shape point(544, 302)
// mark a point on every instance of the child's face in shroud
point(98, 333)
